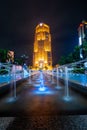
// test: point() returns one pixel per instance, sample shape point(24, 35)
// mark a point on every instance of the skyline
point(19, 19)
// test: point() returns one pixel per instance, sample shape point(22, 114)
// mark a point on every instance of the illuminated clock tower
point(42, 56)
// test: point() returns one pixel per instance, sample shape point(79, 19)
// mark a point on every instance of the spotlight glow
point(67, 98)
point(41, 24)
point(11, 100)
point(42, 89)
point(58, 87)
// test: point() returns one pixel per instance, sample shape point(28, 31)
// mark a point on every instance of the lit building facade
point(42, 55)
point(10, 56)
point(82, 32)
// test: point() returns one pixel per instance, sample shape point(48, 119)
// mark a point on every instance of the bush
point(78, 70)
point(2, 71)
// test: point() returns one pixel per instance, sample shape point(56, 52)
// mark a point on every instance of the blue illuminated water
point(7, 78)
point(42, 88)
point(77, 78)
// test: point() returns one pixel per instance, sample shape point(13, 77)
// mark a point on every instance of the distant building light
point(36, 62)
point(41, 24)
point(81, 25)
point(45, 61)
point(80, 41)
point(81, 56)
point(85, 64)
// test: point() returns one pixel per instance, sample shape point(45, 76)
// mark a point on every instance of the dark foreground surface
point(44, 123)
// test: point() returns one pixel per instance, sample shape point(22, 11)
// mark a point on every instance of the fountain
point(12, 75)
point(42, 88)
point(53, 82)
point(14, 81)
point(48, 75)
point(30, 76)
point(58, 87)
point(67, 96)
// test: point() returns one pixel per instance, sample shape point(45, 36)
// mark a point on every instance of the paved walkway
point(52, 101)
point(45, 110)
point(44, 123)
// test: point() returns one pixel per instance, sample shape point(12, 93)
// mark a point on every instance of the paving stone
point(78, 122)
point(34, 111)
point(5, 121)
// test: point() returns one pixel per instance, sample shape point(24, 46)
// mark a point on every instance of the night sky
point(18, 19)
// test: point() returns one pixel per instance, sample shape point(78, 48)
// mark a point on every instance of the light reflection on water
point(11, 99)
point(77, 78)
point(46, 91)
point(42, 89)
point(68, 98)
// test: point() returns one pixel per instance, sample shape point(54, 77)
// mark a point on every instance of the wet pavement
point(44, 123)
point(33, 109)
point(30, 101)
point(49, 123)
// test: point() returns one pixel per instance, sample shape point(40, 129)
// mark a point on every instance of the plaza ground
point(48, 109)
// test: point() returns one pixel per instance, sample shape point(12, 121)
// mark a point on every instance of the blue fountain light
point(68, 98)
point(58, 87)
point(11, 100)
point(42, 89)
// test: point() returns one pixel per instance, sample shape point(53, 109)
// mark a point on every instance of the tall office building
point(82, 32)
point(42, 55)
